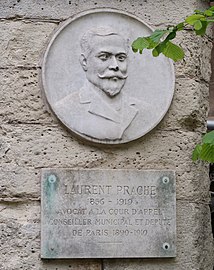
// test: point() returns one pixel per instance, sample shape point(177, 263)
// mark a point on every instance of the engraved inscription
point(87, 189)
point(128, 211)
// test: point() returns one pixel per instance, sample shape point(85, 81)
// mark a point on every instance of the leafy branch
point(205, 151)
point(160, 41)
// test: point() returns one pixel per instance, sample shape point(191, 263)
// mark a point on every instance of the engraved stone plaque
point(108, 214)
point(97, 87)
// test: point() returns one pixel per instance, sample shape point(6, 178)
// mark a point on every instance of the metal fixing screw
point(52, 178)
point(166, 246)
point(165, 179)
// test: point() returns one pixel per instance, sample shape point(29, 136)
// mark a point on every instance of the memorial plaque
point(97, 87)
point(108, 214)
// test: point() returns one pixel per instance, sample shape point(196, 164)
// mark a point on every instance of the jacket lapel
point(97, 106)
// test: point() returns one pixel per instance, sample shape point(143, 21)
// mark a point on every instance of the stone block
point(22, 43)
point(191, 117)
point(19, 184)
point(196, 61)
point(25, 104)
point(162, 12)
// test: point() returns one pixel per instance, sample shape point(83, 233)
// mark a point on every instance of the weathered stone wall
point(211, 111)
point(32, 139)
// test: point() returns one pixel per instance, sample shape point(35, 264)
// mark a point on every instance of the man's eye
point(121, 58)
point(103, 57)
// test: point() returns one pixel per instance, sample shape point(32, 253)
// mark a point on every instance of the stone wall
point(32, 138)
point(211, 111)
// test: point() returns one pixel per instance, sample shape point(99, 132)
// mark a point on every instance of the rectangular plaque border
point(50, 171)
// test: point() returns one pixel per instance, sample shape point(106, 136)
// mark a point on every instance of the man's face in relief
point(106, 64)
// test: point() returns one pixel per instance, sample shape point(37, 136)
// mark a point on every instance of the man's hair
point(86, 43)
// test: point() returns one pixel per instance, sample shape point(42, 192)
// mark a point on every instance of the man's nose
point(114, 64)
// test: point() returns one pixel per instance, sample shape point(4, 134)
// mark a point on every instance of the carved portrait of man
point(97, 87)
point(100, 109)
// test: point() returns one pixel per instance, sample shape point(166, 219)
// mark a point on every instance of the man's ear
point(83, 62)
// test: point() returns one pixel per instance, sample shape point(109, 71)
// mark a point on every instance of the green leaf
point(208, 138)
point(208, 13)
point(155, 52)
point(140, 44)
point(207, 152)
point(198, 25)
point(198, 11)
point(193, 18)
point(134, 50)
point(180, 26)
point(196, 152)
point(157, 35)
point(211, 8)
point(152, 44)
point(171, 36)
point(173, 51)
point(159, 48)
point(203, 29)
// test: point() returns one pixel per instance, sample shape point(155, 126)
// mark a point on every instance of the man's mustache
point(110, 75)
